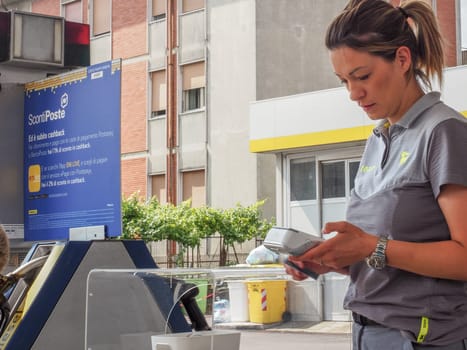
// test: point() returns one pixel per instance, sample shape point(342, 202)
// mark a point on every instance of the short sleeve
point(447, 154)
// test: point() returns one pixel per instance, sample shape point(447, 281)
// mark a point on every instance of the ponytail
point(376, 27)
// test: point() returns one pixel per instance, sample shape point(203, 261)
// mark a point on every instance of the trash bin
point(238, 296)
point(266, 300)
point(202, 297)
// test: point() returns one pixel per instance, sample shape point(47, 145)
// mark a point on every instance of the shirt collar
point(414, 112)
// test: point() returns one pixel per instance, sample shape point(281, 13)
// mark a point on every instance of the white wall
point(231, 86)
point(330, 110)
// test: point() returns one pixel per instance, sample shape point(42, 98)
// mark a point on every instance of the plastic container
point(238, 296)
point(221, 311)
point(304, 300)
point(266, 300)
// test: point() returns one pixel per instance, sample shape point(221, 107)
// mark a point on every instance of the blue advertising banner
point(72, 153)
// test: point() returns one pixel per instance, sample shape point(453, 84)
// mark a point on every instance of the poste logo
point(64, 100)
point(48, 115)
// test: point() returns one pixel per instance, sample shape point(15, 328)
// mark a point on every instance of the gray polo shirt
point(396, 189)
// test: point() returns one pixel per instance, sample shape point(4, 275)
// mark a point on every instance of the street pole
point(172, 116)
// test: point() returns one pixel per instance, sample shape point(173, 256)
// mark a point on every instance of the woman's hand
point(299, 276)
point(349, 246)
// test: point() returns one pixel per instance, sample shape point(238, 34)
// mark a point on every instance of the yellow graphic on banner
point(34, 178)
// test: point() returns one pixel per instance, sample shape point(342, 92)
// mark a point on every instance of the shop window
point(333, 179)
point(353, 170)
point(302, 179)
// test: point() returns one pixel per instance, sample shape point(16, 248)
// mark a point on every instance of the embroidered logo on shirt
point(367, 168)
point(404, 157)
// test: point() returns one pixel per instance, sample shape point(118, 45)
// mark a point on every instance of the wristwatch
point(377, 260)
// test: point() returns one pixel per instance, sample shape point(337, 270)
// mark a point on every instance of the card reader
point(290, 241)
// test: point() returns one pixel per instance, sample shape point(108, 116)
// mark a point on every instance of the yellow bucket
point(266, 300)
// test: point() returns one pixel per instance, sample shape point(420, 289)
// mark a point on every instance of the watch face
point(377, 262)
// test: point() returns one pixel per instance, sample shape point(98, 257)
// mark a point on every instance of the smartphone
point(307, 272)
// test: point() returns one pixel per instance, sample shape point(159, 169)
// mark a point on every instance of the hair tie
point(404, 13)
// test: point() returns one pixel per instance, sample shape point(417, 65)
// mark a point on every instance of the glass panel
point(353, 169)
point(193, 99)
point(333, 179)
point(302, 179)
point(160, 308)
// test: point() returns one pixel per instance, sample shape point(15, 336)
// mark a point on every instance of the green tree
point(152, 221)
point(241, 224)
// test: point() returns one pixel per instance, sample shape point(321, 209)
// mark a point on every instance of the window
point(159, 94)
point(72, 11)
point(193, 86)
point(158, 9)
point(302, 179)
point(353, 170)
point(158, 188)
point(194, 188)
point(192, 5)
point(101, 17)
point(338, 178)
point(333, 179)
point(193, 99)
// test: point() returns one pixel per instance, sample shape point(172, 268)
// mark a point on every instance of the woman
point(404, 243)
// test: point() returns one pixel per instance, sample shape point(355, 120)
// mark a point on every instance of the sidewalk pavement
point(323, 327)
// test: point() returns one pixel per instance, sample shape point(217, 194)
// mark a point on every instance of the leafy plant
point(151, 221)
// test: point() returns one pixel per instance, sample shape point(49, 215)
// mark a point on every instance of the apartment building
point(190, 69)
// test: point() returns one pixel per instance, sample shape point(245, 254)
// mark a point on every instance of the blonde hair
point(377, 27)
